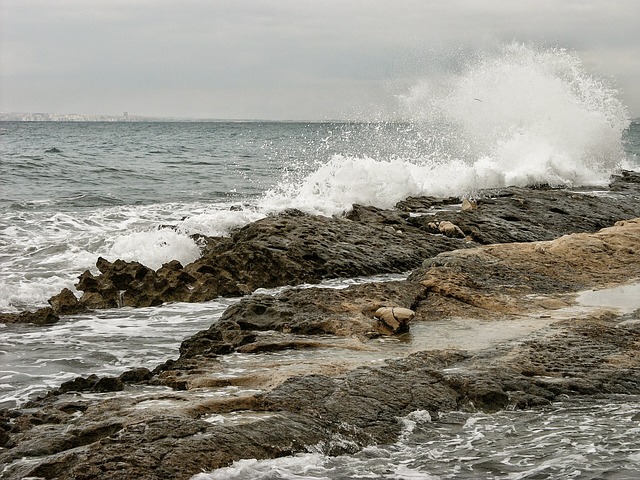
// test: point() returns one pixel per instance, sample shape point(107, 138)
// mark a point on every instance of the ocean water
point(71, 192)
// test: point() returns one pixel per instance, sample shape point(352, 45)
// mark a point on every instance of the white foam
point(299, 467)
point(153, 248)
point(219, 222)
point(42, 253)
point(345, 180)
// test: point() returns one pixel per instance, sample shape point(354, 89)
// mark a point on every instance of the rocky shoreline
point(514, 257)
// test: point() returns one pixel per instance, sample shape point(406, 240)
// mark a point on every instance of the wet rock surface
point(173, 423)
point(293, 247)
point(42, 316)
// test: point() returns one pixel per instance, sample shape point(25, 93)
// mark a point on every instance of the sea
point(71, 192)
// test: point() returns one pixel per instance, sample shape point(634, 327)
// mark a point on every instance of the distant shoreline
point(75, 118)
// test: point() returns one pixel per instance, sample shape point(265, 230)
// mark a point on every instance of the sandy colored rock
point(468, 205)
point(396, 319)
point(450, 229)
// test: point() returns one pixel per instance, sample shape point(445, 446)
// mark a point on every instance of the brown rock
point(395, 319)
point(450, 229)
point(66, 303)
point(43, 316)
point(468, 205)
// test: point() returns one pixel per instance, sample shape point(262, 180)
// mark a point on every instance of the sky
point(281, 59)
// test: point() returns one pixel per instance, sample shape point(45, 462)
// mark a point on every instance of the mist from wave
point(520, 115)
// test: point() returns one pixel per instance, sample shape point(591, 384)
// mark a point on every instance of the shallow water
point(624, 298)
point(36, 358)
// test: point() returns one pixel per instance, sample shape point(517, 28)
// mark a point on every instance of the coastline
point(518, 257)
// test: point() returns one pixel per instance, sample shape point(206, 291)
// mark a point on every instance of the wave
point(520, 115)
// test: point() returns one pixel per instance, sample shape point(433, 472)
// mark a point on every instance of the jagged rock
point(360, 406)
point(289, 248)
point(66, 303)
point(293, 247)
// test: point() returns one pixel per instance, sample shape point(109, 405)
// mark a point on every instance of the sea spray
point(153, 248)
point(517, 116)
point(532, 115)
point(345, 180)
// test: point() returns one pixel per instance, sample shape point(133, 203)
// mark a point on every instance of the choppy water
point(576, 438)
point(70, 192)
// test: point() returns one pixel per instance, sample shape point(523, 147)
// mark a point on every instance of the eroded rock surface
point(176, 434)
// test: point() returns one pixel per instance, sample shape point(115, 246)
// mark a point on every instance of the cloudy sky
point(280, 59)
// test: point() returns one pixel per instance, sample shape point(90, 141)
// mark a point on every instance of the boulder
point(450, 229)
point(395, 319)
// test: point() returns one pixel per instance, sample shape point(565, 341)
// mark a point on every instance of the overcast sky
point(285, 59)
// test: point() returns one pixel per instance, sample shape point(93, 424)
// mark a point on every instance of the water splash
point(517, 116)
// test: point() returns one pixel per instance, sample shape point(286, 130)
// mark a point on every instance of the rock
point(468, 205)
point(133, 284)
point(425, 203)
point(66, 303)
point(167, 435)
point(517, 214)
point(43, 316)
point(292, 247)
point(136, 375)
point(395, 319)
point(304, 311)
point(450, 229)
point(289, 248)
point(625, 181)
point(92, 383)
